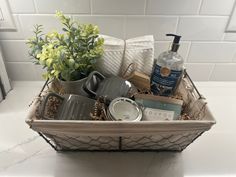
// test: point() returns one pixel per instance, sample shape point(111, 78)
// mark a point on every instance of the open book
point(119, 54)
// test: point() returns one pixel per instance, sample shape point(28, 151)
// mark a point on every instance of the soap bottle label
point(164, 80)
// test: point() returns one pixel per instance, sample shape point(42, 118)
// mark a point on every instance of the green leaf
point(69, 54)
point(71, 62)
point(49, 62)
point(64, 29)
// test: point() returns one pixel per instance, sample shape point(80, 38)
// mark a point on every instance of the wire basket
point(82, 135)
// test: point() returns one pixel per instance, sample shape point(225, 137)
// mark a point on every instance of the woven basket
point(66, 135)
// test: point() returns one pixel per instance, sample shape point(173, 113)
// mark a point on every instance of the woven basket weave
point(66, 135)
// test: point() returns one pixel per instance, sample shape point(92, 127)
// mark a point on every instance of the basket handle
point(45, 103)
point(90, 78)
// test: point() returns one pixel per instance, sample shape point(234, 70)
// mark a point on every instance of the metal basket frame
point(52, 142)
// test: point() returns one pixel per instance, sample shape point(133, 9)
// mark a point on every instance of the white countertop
point(24, 153)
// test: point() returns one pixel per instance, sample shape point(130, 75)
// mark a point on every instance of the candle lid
point(124, 109)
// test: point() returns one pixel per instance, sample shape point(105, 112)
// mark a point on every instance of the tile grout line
point(211, 72)
point(124, 28)
point(233, 58)
point(200, 7)
point(12, 40)
point(145, 7)
point(188, 51)
point(207, 62)
point(35, 7)
point(223, 36)
point(212, 15)
point(177, 24)
point(20, 62)
point(21, 29)
point(131, 15)
point(161, 40)
point(91, 8)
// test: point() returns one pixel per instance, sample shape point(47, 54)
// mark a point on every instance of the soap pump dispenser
point(167, 70)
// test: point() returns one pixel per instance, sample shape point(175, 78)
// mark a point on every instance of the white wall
point(210, 53)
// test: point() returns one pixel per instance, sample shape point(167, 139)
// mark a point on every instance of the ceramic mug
point(110, 88)
point(71, 107)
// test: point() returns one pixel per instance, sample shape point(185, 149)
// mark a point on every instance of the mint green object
point(161, 104)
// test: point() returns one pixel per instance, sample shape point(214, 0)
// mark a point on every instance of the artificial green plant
point(70, 55)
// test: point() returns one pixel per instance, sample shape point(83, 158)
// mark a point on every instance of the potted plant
point(69, 56)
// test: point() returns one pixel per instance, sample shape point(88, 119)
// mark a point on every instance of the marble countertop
point(24, 153)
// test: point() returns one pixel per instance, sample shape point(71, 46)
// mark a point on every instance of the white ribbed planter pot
point(74, 87)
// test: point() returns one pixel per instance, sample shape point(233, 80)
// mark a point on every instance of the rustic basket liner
point(71, 134)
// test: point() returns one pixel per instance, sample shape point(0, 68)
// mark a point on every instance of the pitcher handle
point(85, 86)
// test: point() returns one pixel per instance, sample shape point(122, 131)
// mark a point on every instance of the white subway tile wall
point(15, 50)
point(209, 52)
point(49, 22)
point(22, 7)
point(202, 28)
point(224, 72)
point(216, 7)
point(170, 7)
point(230, 37)
point(67, 6)
point(212, 52)
point(38, 72)
point(117, 7)
point(21, 71)
point(109, 25)
point(161, 46)
point(144, 25)
point(199, 71)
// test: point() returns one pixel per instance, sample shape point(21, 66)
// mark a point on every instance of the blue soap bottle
point(167, 70)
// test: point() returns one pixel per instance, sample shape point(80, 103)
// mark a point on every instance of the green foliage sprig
point(71, 55)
